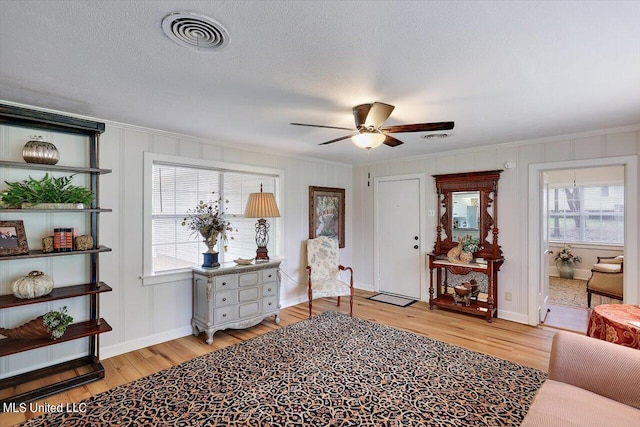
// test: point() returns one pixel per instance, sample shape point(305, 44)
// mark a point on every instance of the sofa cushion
point(560, 404)
point(607, 268)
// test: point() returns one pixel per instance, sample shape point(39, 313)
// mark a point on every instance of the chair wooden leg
point(588, 299)
point(338, 301)
point(351, 304)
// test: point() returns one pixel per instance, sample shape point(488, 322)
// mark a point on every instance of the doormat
point(393, 300)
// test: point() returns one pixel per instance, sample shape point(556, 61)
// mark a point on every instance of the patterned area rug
point(568, 292)
point(573, 293)
point(329, 370)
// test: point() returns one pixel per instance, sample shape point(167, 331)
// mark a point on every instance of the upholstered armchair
point(607, 277)
point(324, 268)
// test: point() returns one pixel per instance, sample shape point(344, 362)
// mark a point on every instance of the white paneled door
point(398, 235)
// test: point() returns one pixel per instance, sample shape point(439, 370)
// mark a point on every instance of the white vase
point(211, 243)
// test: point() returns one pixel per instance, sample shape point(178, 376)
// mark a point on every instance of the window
point(587, 214)
point(177, 188)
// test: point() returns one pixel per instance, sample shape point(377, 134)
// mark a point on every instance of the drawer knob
point(224, 299)
point(270, 303)
point(224, 314)
point(224, 283)
point(269, 276)
point(269, 290)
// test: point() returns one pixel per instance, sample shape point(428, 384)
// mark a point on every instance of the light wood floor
point(519, 343)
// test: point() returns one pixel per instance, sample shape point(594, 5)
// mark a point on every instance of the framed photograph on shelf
point(13, 239)
point(326, 213)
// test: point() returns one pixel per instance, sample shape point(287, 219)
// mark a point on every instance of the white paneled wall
point(513, 201)
point(144, 315)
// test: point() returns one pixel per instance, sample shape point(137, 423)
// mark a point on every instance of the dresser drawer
point(269, 275)
point(222, 283)
point(248, 294)
point(225, 314)
point(270, 303)
point(269, 289)
point(249, 279)
point(249, 309)
point(226, 298)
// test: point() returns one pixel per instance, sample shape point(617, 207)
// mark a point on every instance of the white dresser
point(234, 296)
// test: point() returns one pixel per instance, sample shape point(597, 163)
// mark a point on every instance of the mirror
point(466, 214)
point(468, 205)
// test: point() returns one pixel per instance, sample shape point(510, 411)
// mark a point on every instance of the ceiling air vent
point(195, 31)
point(437, 135)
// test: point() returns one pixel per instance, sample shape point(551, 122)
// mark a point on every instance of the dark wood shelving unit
point(40, 254)
point(52, 168)
point(73, 332)
point(88, 367)
point(53, 210)
point(63, 292)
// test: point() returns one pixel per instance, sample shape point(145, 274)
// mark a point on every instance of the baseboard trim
point(137, 344)
point(577, 273)
point(513, 316)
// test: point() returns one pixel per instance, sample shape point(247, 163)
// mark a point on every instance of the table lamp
point(262, 205)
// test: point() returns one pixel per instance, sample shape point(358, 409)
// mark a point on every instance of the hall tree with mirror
point(467, 208)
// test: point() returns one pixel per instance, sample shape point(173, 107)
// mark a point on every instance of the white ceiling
point(503, 71)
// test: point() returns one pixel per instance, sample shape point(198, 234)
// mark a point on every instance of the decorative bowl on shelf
point(462, 290)
point(243, 261)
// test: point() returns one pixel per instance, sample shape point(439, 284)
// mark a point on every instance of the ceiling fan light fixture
point(368, 140)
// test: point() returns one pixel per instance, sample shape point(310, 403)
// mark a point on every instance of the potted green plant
point(565, 259)
point(470, 244)
point(46, 193)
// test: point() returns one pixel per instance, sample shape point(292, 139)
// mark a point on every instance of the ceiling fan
point(369, 134)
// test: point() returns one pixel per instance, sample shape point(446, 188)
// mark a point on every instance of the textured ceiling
point(503, 71)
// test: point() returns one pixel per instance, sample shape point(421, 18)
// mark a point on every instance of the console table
point(441, 293)
point(616, 323)
point(234, 296)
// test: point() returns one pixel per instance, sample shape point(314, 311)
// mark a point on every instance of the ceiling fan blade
point(360, 113)
point(335, 140)
point(378, 113)
point(320, 126)
point(392, 142)
point(419, 127)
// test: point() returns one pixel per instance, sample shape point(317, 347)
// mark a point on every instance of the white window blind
point(177, 189)
point(587, 214)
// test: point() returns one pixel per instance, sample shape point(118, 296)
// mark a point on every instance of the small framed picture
point(13, 239)
point(326, 213)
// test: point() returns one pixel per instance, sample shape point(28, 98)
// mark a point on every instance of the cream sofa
point(591, 383)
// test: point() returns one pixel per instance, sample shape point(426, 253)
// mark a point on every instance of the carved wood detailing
point(486, 184)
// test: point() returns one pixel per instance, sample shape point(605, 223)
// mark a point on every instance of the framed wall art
point(327, 213)
point(13, 239)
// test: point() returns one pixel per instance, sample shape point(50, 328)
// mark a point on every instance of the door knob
point(416, 237)
point(415, 247)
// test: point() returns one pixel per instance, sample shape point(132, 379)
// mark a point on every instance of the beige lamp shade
point(261, 205)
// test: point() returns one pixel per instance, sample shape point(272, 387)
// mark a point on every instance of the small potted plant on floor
point(565, 259)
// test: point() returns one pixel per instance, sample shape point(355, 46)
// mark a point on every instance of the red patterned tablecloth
point(610, 322)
